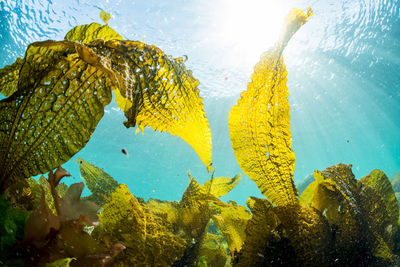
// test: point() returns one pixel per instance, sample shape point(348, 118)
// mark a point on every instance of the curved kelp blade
point(220, 186)
point(157, 91)
point(100, 183)
point(290, 235)
point(148, 238)
point(90, 32)
point(378, 180)
point(9, 77)
point(358, 215)
point(259, 124)
point(231, 221)
point(62, 90)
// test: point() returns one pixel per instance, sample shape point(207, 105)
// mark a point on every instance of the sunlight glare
point(250, 27)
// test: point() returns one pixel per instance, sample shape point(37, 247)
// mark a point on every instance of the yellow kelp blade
point(60, 100)
point(148, 238)
point(9, 77)
point(100, 183)
point(378, 181)
point(90, 32)
point(157, 91)
point(231, 221)
point(212, 252)
point(105, 16)
point(259, 124)
point(357, 212)
point(220, 186)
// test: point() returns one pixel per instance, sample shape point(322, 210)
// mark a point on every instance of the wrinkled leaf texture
point(64, 86)
point(59, 101)
point(259, 124)
point(154, 89)
point(9, 77)
point(100, 183)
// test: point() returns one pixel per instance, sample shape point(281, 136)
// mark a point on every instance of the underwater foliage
point(360, 215)
point(153, 89)
point(90, 32)
point(212, 252)
point(378, 181)
point(395, 181)
point(148, 238)
point(100, 183)
point(157, 91)
point(259, 124)
point(9, 77)
point(221, 186)
point(59, 101)
point(232, 221)
point(62, 90)
point(56, 97)
point(61, 190)
point(291, 235)
point(49, 237)
point(12, 222)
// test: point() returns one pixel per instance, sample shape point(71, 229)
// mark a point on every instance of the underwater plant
point(337, 220)
point(56, 97)
point(58, 91)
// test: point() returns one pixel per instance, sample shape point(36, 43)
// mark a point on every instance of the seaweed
point(100, 183)
point(9, 77)
point(63, 87)
point(259, 124)
point(148, 238)
point(58, 103)
point(48, 237)
point(56, 97)
point(12, 223)
point(231, 220)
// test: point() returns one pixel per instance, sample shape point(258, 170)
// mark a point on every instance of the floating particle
point(124, 151)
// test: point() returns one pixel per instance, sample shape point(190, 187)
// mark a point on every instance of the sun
point(250, 27)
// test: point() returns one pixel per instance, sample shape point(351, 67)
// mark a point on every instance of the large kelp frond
point(62, 90)
point(156, 90)
point(90, 32)
point(100, 183)
point(378, 180)
point(259, 124)
point(335, 196)
point(381, 228)
point(9, 77)
point(291, 235)
point(258, 233)
point(308, 232)
point(363, 230)
point(220, 186)
point(148, 238)
point(166, 209)
point(194, 210)
point(212, 252)
point(231, 221)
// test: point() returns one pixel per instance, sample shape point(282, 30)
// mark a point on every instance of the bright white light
point(250, 27)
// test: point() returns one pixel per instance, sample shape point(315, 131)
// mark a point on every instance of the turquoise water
point(344, 82)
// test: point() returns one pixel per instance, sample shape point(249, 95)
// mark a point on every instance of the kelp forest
point(55, 98)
